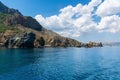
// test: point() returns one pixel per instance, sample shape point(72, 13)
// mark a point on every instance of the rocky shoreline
point(29, 40)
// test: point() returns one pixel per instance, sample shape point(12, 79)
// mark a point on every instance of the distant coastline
point(112, 44)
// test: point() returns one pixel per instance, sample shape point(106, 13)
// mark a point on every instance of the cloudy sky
point(84, 20)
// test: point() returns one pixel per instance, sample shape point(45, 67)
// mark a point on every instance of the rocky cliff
point(18, 31)
point(6, 10)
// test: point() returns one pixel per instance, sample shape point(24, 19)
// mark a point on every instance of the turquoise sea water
point(60, 64)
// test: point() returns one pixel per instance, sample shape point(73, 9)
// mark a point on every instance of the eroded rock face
point(39, 43)
point(59, 41)
point(36, 40)
point(31, 40)
point(27, 41)
point(21, 41)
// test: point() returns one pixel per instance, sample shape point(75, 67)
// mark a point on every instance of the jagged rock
point(21, 41)
point(27, 41)
point(39, 42)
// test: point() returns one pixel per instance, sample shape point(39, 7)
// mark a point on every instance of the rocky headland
point(18, 31)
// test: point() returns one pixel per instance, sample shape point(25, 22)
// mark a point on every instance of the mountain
point(18, 31)
point(5, 9)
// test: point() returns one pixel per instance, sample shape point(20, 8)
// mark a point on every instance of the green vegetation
point(3, 17)
point(4, 27)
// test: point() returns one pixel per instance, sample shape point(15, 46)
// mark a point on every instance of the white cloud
point(94, 3)
point(78, 20)
point(109, 24)
point(108, 7)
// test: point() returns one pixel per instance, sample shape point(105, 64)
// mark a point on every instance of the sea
point(98, 63)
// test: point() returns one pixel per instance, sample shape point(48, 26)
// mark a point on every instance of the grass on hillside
point(3, 27)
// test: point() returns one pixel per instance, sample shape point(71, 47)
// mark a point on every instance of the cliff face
point(18, 31)
point(30, 38)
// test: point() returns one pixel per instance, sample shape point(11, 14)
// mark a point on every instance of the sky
point(84, 20)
